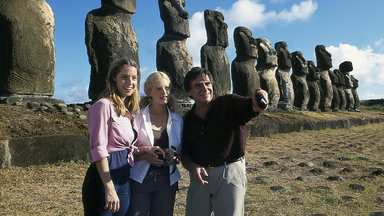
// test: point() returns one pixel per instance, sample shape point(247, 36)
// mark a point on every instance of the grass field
point(329, 172)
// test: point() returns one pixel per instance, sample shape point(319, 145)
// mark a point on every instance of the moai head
point(216, 28)
point(245, 44)
point(267, 54)
point(125, 5)
point(283, 56)
point(323, 57)
point(313, 71)
point(175, 18)
point(346, 67)
point(299, 64)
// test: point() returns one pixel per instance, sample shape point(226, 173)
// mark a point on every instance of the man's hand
point(198, 172)
point(255, 105)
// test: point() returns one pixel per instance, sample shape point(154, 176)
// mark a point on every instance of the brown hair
point(131, 103)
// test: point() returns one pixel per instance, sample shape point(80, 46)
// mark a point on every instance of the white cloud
point(302, 11)
point(380, 44)
point(368, 68)
point(74, 94)
point(77, 94)
point(248, 13)
point(198, 37)
point(370, 95)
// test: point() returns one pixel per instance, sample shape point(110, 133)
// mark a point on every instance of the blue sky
point(350, 31)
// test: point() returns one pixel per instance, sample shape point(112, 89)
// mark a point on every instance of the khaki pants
point(223, 195)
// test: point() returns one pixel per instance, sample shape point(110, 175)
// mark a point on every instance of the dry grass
point(56, 189)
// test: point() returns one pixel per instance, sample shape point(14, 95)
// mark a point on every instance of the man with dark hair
point(213, 146)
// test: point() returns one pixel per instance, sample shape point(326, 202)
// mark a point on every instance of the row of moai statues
point(284, 91)
point(110, 35)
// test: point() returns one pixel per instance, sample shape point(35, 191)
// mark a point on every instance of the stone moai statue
point(172, 55)
point(212, 55)
point(355, 94)
point(299, 80)
point(27, 51)
point(284, 65)
point(245, 78)
point(346, 67)
point(109, 35)
point(324, 63)
point(340, 89)
point(336, 98)
point(266, 64)
point(313, 86)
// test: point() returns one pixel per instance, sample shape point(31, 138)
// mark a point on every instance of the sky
point(350, 31)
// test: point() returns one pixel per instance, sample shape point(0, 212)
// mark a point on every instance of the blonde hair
point(172, 104)
point(131, 103)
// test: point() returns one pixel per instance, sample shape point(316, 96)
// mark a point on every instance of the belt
point(213, 165)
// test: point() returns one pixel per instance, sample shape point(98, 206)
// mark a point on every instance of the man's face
point(201, 90)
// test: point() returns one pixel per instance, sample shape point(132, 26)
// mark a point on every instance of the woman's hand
point(175, 156)
point(112, 202)
point(151, 154)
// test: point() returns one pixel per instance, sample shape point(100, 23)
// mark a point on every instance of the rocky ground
point(44, 119)
point(24, 120)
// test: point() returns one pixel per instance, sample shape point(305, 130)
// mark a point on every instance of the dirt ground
point(327, 172)
point(21, 121)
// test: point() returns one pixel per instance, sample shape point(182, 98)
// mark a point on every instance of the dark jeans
point(154, 196)
point(93, 190)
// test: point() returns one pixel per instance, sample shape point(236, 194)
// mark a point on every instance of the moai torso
point(355, 94)
point(27, 52)
point(266, 64)
point(340, 89)
point(336, 98)
point(283, 78)
point(313, 86)
point(245, 78)
point(172, 55)
point(299, 75)
point(324, 63)
point(109, 35)
point(212, 55)
point(346, 67)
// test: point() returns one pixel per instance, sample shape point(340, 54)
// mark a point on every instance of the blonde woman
point(106, 189)
point(154, 177)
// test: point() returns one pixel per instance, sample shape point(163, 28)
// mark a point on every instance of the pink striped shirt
point(109, 132)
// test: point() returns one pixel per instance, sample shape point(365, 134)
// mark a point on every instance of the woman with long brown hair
point(112, 131)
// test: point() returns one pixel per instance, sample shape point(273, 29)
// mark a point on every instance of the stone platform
point(37, 150)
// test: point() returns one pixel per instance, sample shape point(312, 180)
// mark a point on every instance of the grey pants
point(223, 195)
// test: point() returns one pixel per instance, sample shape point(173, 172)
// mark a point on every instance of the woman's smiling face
point(126, 81)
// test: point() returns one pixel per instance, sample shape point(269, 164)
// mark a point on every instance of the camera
point(171, 153)
point(260, 101)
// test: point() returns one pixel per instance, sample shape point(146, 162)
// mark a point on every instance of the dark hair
point(193, 74)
